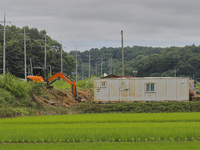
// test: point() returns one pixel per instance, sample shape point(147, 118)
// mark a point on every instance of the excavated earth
point(62, 98)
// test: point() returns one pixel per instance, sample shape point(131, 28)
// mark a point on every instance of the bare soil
point(62, 98)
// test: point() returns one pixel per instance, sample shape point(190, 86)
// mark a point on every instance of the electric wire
point(12, 61)
point(14, 57)
point(16, 71)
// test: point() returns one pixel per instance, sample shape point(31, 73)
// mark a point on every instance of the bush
point(18, 88)
point(6, 97)
point(36, 88)
point(12, 112)
point(86, 84)
point(152, 107)
point(14, 91)
point(61, 84)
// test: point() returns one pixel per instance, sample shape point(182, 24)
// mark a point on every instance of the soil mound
point(62, 98)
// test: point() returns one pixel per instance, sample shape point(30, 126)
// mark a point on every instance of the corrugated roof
point(116, 76)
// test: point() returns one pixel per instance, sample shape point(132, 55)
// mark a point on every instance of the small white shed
point(141, 89)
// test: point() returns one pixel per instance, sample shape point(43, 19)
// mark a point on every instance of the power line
point(122, 52)
point(12, 61)
point(16, 72)
point(14, 57)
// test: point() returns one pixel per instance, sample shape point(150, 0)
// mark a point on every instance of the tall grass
point(86, 84)
point(61, 85)
point(81, 84)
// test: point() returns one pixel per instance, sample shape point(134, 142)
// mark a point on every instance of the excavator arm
point(62, 76)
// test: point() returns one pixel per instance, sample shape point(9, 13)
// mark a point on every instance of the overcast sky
point(97, 23)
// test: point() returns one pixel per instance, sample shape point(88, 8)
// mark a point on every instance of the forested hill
point(148, 61)
point(35, 51)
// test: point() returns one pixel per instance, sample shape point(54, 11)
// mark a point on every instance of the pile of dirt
point(86, 94)
point(62, 98)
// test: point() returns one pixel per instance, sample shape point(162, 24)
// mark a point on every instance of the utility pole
point(4, 43)
point(101, 65)
point(111, 65)
point(31, 66)
point(61, 59)
point(82, 71)
point(89, 63)
point(50, 70)
point(25, 71)
point(175, 72)
point(122, 52)
point(96, 69)
point(45, 51)
point(25, 68)
point(76, 64)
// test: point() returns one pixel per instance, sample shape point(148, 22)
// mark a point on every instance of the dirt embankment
point(62, 98)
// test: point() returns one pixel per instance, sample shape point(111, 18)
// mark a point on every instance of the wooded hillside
point(148, 61)
point(35, 51)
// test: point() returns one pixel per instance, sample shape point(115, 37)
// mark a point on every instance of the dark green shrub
point(6, 97)
point(17, 87)
point(36, 88)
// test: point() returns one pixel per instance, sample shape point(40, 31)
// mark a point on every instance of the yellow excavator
point(40, 74)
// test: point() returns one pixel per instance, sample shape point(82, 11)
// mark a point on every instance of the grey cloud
point(145, 21)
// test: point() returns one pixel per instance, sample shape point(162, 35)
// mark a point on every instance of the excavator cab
point(40, 74)
point(40, 71)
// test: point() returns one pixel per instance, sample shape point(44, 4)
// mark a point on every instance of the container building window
point(150, 87)
point(103, 84)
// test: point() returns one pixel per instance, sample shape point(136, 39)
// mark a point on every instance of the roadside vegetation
point(17, 98)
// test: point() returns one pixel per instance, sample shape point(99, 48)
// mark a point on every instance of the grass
point(106, 146)
point(105, 118)
point(101, 132)
point(151, 107)
point(81, 84)
point(150, 131)
point(114, 127)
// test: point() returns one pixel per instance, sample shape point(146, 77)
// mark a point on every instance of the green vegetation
point(86, 84)
point(106, 146)
point(35, 51)
point(106, 118)
point(81, 84)
point(15, 94)
point(15, 91)
point(148, 61)
point(17, 98)
point(153, 130)
point(60, 84)
point(151, 107)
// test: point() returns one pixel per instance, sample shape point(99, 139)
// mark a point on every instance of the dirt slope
point(62, 98)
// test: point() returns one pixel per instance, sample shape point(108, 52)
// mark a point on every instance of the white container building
point(138, 89)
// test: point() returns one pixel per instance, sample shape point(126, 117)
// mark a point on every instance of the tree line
point(34, 51)
point(147, 61)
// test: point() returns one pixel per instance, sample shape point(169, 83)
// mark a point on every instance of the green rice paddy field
point(102, 131)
